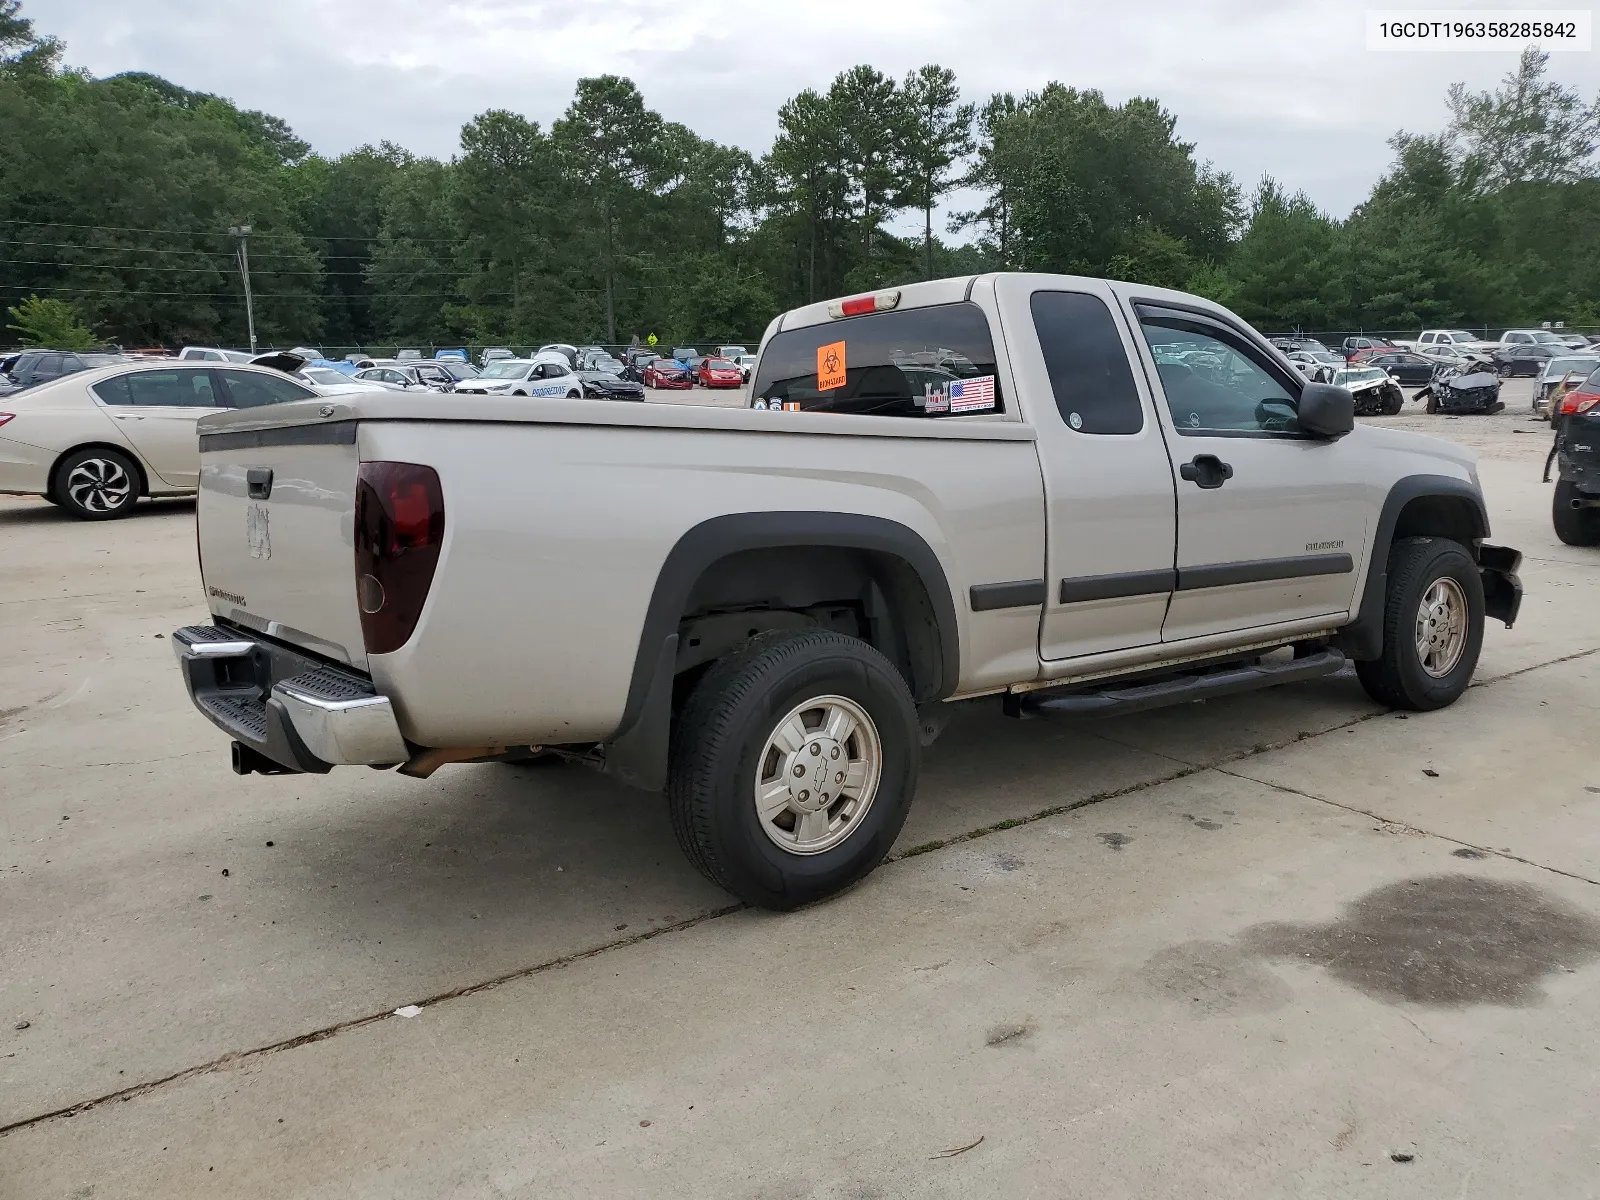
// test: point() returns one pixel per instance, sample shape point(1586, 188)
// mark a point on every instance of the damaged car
point(1458, 390)
point(1376, 394)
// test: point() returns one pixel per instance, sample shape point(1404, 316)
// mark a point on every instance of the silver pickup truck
point(1073, 496)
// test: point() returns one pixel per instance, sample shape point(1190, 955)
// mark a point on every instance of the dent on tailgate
point(277, 543)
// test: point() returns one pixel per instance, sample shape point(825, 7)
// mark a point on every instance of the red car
point(667, 373)
point(719, 372)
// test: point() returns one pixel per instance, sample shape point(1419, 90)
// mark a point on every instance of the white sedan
point(548, 373)
point(96, 441)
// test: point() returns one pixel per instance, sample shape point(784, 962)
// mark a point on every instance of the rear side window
point(162, 389)
point(1088, 367)
point(918, 362)
point(247, 389)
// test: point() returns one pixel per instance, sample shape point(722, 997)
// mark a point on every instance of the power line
point(307, 295)
point(172, 250)
point(314, 237)
point(37, 262)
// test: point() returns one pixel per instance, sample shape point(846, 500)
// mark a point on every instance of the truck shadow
point(491, 868)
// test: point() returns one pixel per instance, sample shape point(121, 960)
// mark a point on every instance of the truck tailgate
point(276, 532)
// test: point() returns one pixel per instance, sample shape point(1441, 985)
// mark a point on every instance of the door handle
point(127, 417)
point(1207, 470)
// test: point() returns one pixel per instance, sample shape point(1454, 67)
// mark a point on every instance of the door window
point(160, 389)
point(1213, 382)
point(1088, 366)
point(247, 389)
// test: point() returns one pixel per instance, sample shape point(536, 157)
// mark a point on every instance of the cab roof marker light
point(860, 305)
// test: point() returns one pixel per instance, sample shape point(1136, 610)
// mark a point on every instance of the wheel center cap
point(816, 773)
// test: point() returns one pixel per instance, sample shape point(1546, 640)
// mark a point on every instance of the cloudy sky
point(1287, 88)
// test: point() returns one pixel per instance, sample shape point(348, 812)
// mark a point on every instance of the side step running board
point(1114, 701)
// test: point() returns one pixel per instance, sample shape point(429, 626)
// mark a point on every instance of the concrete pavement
point(1204, 983)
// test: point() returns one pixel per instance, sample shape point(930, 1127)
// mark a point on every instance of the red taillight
point(1577, 402)
point(399, 531)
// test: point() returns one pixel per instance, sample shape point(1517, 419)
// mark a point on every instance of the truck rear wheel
point(1432, 626)
point(792, 766)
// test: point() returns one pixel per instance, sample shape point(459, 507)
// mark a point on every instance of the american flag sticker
point(972, 395)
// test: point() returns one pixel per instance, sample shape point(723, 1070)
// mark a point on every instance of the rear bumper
point(24, 469)
point(296, 711)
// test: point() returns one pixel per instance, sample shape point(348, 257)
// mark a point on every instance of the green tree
point(804, 183)
point(23, 52)
point(52, 323)
point(992, 174)
point(869, 117)
point(937, 135)
point(1529, 130)
point(611, 145)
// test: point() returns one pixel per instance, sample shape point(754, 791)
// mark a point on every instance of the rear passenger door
point(1108, 485)
point(157, 411)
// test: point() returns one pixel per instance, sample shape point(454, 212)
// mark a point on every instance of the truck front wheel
point(792, 766)
point(1432, 626)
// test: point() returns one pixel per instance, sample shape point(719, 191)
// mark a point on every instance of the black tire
point(574, 396)
point(1394, 403)
point(1398, 678)
point(718, 740)
point(96, 484)
point(1574, 526)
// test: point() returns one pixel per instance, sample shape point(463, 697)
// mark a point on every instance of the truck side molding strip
point(1261, 570)
point(1114, 587)
point(1023, 593)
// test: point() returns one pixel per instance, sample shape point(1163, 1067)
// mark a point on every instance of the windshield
point(1545, 338)
point(1365, 375)
point(719, 364)
point(1566, 366)
point(458, 369)
point(326, 376)
point(504, 368)
point(685, 352)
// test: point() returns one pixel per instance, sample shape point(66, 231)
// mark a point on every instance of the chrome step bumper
point(292, 710)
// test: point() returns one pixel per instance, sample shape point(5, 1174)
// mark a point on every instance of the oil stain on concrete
point(1446, 940)
point(1215, 979)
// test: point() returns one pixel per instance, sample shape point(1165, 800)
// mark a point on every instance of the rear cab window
point(932, 362)
point(1088, 367)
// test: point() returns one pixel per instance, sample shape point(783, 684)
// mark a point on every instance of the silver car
point(96, 441)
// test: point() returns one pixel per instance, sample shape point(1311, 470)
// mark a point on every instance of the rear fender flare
point(636, 752)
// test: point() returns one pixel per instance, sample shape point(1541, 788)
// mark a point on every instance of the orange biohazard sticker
point(830, 366)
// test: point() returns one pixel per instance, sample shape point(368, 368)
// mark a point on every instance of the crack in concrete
point(235, 1058)
point(1402, 825)
point(238, 1057)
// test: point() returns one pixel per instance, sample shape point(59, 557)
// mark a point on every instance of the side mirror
point(1327, 410)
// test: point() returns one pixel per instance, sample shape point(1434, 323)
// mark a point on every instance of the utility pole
point(242, 232)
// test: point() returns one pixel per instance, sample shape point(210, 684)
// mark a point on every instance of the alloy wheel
point(1441, 627)
point(817, 775)
point(99, 485)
